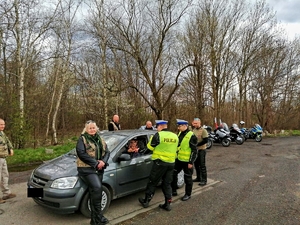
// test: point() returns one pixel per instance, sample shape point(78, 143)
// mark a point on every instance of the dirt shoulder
point(19, 177)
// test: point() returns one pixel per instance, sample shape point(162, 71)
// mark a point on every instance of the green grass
point(295, 132)
point(38, 155)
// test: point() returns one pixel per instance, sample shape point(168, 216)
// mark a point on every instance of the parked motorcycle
point(221, 135)
point(210, 140)
point(236, 134)
point(253, 133)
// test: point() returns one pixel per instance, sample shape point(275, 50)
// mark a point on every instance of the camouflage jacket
point(5, 145)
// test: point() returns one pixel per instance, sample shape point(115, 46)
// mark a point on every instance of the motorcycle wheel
point(239, 140)
point(209, 144)
point(244, 137)
point(225, 142)
point(258, 138)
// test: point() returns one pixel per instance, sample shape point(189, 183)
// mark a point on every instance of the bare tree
point(27, 29)
point(64, 32)
point(274, 67)
point(259, 24)
point(96, 26)
point(144, 32)
point(197, 81)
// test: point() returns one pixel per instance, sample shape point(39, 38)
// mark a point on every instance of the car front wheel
point(85, 207)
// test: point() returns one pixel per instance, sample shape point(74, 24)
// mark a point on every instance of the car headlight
point(64, 183)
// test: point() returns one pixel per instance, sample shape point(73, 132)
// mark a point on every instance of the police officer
point(164, 146)
point(92, 159)
point(202, 137)
point(187, 153)
point(6, 149)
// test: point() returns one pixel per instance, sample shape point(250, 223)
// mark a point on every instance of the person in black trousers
point(92, 160)
point(200, 166)
point(186, 156)
point(164, 146)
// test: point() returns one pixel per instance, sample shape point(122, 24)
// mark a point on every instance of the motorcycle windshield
point(258, 128)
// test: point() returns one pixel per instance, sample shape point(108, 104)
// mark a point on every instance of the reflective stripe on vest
point(184, 150)
point(167, 148)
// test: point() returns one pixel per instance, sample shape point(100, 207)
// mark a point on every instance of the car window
point(112, 141)
point(141, 144)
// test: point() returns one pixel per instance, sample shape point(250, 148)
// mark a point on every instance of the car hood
point(63, 166)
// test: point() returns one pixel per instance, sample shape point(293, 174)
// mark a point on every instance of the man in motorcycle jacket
point(200, 166)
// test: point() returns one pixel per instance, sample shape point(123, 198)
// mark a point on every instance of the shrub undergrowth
point(30, 155)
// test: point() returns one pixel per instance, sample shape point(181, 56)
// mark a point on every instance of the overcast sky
point(288, 14)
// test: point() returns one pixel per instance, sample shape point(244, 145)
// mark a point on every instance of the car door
point(133, 175)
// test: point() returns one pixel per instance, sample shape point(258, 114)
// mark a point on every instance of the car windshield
point(112, 141)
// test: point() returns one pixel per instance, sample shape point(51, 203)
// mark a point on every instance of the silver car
point(64, 192)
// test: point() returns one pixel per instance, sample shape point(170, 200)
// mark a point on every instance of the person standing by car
point(148, 126)
point(187, 153)
point(164, 146)
point(114, 124)
point(92, 160)
point(6, 149)
point(202, 137)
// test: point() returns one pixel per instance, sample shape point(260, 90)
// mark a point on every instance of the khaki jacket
point(91, 149)
point(200, 134)
point(5, 145)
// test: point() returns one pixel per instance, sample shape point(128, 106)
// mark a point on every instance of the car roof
point(127, 132)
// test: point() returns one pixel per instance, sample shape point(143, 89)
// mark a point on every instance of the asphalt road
point(254, 183)
point(260, 184)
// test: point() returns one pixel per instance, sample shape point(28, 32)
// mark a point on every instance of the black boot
point(99, 220)
point(145, 201)
point(104, 220)
point(97, 217)
point(93, 219)
point(203, 177)
point(167, 205)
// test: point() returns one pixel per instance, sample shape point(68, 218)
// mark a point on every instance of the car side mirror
point(124, 157)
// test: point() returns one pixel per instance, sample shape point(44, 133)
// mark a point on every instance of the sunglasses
point(90, 121)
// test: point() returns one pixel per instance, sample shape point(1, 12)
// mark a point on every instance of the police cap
point(182, 122)
point(161, 122)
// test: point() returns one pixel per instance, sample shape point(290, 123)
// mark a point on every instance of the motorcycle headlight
point(64, 183)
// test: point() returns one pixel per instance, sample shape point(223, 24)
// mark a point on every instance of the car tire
point(85, 208)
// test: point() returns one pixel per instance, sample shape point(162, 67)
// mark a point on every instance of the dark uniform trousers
point(188, 179)
point(200, 166)
point(160, 171)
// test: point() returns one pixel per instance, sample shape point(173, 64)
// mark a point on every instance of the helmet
point(242, 122)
